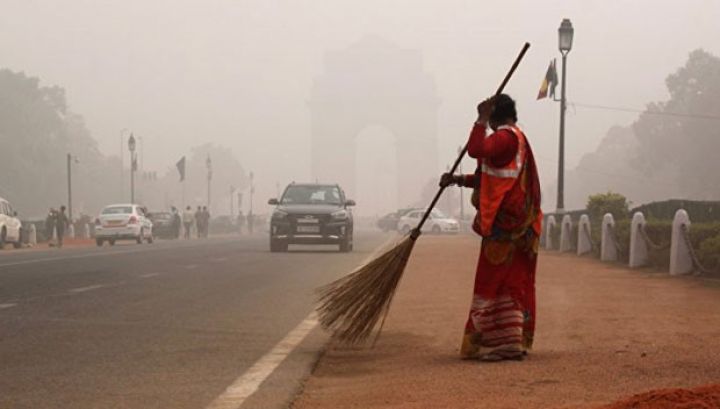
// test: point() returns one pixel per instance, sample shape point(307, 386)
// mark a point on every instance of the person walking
point(50, 221)
point(250, 222)
point(206, 221)
point(61, 222)
point(176, 222)
point(240, 221)
point(198, 221)
point(188, 219)
point(506, 193)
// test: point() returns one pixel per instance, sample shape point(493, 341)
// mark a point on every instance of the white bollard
point(71, 231)
point(680, 259)
point(584, 240)
point(32, 235)
point(565, 234)
point(638, 245)
point(549, 245)
point(86, 231)
point(608, 251)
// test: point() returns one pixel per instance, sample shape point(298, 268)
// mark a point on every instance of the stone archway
point(375, 82)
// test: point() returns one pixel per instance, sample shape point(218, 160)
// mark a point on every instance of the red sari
point(501, 321)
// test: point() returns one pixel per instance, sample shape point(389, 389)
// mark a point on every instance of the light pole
point(565, 39)
point(133, 167)
point(232, 199)
point(252, 190)
point(69, 183)
point(122, 162)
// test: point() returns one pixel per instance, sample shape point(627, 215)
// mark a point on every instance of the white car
point(123, 222)
point(436, 223)
point(9, 225)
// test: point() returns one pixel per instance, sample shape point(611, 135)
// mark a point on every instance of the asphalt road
point(167, 325)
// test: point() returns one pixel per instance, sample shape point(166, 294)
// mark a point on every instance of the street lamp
point(70, 159)
point(133, 166)
point(565, 40)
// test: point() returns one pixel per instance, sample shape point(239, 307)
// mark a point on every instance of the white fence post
point(584, 241)
point(638, 245)
point(548, 232)
point(608, 251)
point(680, 259)
point(565, 233)
point(32, 235)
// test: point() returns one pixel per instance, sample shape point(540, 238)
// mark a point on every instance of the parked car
point(311, 214)
point(436, 223)
point(162, 225)
point(389, 222)
point(10, 225)
point(123, 222)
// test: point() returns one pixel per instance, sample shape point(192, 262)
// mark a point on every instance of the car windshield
point(117, 210)
point(438, 214)
point(311, 195)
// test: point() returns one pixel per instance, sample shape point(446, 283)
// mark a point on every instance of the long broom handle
point(416, 232)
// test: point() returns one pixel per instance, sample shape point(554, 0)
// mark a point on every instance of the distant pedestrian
point(61, 222)
point(188, 219)
point(198, 221)
point(240, 221)
point(176, 222)
point(50, 221)
point(206, 221)
point(250, 222)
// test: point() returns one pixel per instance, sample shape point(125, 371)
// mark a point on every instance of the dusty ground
point(604, 332)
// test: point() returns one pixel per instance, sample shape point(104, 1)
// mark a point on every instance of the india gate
point(375, 83)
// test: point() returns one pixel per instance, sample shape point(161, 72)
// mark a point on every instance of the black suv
point(311, 214)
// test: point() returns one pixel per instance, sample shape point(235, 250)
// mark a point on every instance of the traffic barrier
point(551, 225)
point(608, 244)
point(680, 258)
point(584, 241)
point(638, 245)
point(565, 233)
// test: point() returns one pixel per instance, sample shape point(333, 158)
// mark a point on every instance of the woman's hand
point(485, 110)
point(448, 179)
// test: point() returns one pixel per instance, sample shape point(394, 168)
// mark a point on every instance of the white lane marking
point(249, 382)
point(149, 275)
point(7, 305)
point(97, 254)
point(87, 288)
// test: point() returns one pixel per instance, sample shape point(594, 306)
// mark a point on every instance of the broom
point(352, 306)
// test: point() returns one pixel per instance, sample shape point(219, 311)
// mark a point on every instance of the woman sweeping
point(507, 195)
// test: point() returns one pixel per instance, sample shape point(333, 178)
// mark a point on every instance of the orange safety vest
point(501, 189)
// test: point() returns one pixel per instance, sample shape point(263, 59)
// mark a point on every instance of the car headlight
point(340, 215)
point(279, 215)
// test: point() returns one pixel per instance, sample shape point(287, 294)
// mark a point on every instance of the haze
point(240, 73)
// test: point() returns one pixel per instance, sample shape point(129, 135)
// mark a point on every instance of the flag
point(181, 168)
point(547, 88)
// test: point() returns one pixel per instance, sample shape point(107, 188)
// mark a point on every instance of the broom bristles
point(352, 306)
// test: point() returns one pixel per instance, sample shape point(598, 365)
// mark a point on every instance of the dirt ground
point(604, 333)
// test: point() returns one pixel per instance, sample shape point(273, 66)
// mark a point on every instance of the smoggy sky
point(240, 73)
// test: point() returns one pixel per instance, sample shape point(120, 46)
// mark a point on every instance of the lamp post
point(69, 184)
point(133, 167)
point(565, 39)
